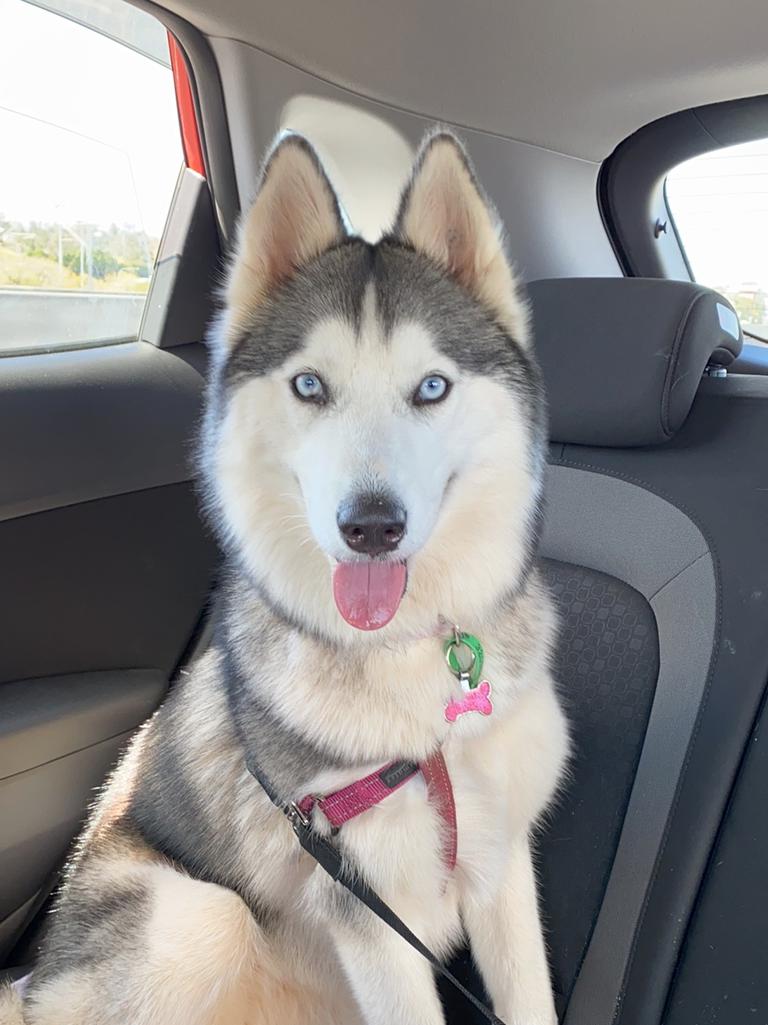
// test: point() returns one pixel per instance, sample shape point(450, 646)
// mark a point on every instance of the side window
point(719, 201)
point(91, 155)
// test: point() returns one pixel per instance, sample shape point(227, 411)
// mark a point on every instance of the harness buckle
point(296, 817)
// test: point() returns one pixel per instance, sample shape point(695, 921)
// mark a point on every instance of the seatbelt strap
point(329, 858)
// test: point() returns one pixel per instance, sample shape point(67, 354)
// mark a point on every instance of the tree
point(751, 307)
point(104, 263)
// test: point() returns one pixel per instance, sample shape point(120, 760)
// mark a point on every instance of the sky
point(720, 205)
point(88, 127)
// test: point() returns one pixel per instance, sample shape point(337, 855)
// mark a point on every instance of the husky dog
point(372, 452)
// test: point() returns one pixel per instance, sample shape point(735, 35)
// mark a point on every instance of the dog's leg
point(11, 1012)
point(147, 945)
point(391, 981)
point(143, 943)
point(508, 945)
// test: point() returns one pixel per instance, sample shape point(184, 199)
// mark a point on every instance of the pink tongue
point(368, 594)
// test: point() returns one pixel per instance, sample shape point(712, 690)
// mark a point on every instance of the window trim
point(632, 184)
point(631, 187)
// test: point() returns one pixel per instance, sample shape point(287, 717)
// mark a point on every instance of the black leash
point(328, 857)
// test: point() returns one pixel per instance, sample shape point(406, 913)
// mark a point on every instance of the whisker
point(292, 516)
point(294, 528)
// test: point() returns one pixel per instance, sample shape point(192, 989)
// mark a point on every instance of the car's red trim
point(190, 133)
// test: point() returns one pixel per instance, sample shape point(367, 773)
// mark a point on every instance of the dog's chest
point(403, 843)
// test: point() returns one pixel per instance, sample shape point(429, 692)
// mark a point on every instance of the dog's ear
point(295, 217)
point(444, 214)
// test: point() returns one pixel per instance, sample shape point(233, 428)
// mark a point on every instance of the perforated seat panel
point(607, 663)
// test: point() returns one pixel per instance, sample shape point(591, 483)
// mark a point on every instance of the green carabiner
point(464, 669)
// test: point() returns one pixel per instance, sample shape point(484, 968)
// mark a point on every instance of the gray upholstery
point(619, 528)
point(714, 472)
point(634, 581)
point(683, 523)
point(623, 357)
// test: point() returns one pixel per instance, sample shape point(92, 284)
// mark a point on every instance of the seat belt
point(329, 858)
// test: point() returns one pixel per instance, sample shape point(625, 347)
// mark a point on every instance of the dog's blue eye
point(309, 387)
point(432, 389)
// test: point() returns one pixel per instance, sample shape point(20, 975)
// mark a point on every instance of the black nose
point(371, 524)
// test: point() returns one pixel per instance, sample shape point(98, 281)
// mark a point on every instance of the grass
point(21, 270)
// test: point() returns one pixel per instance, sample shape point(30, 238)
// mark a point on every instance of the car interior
point(626, 149)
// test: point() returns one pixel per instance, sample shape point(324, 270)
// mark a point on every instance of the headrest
point(622, 357)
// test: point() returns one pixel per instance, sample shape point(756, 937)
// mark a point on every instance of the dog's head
point(375, 419)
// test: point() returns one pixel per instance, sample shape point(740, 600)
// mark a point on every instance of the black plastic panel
point(631, 184)
point(753, 360)
point(723, 969)
point(187, 269)
point(117, 583)
point(95, 422)
point(58, 738)
point(43, 720)
point(41, 810)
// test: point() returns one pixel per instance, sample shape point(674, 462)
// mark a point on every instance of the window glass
point(91, 155)
point(720, 205)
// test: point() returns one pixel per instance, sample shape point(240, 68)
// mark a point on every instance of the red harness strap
point(435, 773)
point(343, 805)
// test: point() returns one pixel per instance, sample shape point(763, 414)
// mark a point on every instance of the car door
point(108, 249)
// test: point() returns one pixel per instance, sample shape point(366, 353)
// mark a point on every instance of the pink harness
point(343, 805)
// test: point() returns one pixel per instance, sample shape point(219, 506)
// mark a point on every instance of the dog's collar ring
point(464, 658)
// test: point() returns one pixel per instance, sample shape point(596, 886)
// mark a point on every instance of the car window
point(719, 201)
point(91, 155)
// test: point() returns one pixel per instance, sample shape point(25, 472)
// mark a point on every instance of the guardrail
point(48, 318)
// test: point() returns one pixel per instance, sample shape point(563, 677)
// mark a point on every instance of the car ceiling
point(575, 76)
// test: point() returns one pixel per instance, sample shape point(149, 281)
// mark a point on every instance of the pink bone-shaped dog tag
point(478, 700)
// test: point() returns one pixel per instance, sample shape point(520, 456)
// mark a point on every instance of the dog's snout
point(372, 524)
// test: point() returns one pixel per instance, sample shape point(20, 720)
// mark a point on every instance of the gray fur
point(408, 287)
point(251, 637)
point(331, 285)
point(176, 821)
point(87, 928)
